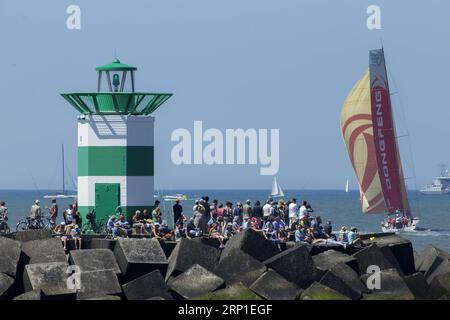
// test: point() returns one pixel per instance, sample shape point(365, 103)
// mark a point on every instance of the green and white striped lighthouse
point(115, 143)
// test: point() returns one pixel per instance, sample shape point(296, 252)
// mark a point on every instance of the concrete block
point(271, 286)
point(10, 251)
point(196, 281)
point(344, 280)
point(295, 265)
point(238, 266)
point(253, 243)
point(318, 291)
point(188, 252)
point(6, 287)
point(147, 286)
point(137, 257)
point(94, 259)
point(328, 259)
point(43, 251)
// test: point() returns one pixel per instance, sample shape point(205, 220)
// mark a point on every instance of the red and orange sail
point(368, 128)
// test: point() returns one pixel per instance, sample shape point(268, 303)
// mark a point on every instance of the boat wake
point(424, 232)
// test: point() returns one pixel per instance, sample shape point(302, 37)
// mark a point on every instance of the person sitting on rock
point(75, 231)
point(59, 229)
point(138, 222)
point(215, 234)
point(122, 227)
point(328, 230)
point(72, 232)
point(354, 239)
point(343, 237)
point(157, 215)
point(192, 230)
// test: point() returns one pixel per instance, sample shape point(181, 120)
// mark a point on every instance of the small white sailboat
point(173, 197)
point(368, 128)
point(277, 192)
point(63, 194)
point(346, 187)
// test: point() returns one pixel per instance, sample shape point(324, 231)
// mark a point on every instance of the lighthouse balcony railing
point(135, 103)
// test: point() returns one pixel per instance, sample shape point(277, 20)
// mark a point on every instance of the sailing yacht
point(346, 187)
point(368, 128)
point(63, 194)
point(277, 192)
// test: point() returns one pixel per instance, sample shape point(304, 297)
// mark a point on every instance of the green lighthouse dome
point(116, 100)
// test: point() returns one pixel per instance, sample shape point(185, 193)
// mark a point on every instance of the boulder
point(99, 243)
point(253, 243)
point(344, 280)
point(98, 283)
point(51, 278)
point(392, 287)
point(6, 286)
point(401, 250)
point(440, 286)
point(328, 259)
point(295, 265)
point(94, 259)
point(236, 291)
point(33, 234)
point(370, 256)
point(188, 252)
point(442, 268)
point(147, 286)
point(419, 287)
point(137, 257)
point(9, 256)
point(239, 267)
point(271, 286)
point(43, 251)
point(196, 281)
point(430, 259)
point(30, 295)
point(318, 291)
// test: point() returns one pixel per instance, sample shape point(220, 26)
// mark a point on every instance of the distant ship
point(440, 185)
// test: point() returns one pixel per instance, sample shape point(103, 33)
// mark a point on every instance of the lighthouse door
point(107, 199)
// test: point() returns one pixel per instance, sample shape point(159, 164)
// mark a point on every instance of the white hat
point(62, 223)
point(36, 202)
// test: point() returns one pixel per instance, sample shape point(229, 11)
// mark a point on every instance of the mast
point(63, 187)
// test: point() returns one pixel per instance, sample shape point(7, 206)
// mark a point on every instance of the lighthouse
point(115, 143)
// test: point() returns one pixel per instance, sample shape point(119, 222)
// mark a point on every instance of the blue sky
point(232, 64)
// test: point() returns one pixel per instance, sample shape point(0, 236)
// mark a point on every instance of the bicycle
point(93, 226)
point(4, 227)
point(38, 223)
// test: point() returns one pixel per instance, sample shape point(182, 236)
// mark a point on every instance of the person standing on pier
point(3, 211)
point(35, 212)
point(53, 211)
point(266, 211)
point(258, 213)
point(293, 212)
point(247, 210)
point(177, 212)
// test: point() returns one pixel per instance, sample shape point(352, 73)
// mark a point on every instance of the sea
point(342, 208)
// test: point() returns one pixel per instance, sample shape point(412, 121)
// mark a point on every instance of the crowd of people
point(279, 221)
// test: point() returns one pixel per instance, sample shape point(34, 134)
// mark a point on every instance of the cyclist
point(35, 213)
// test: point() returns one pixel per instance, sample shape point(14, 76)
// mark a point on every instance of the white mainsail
point(346, 187)
point(276, 189)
